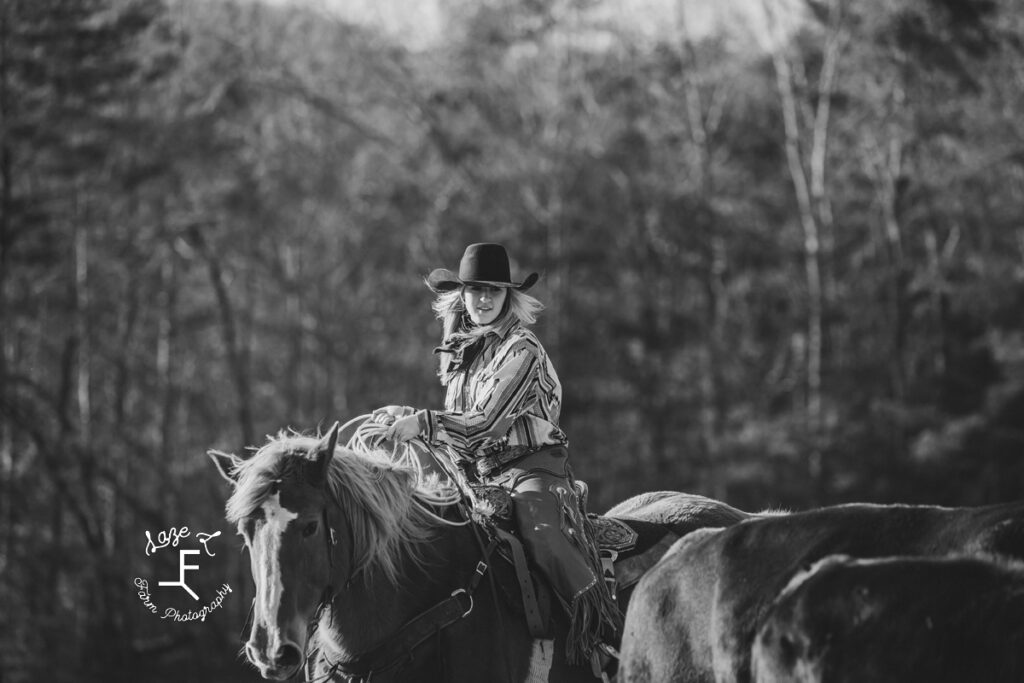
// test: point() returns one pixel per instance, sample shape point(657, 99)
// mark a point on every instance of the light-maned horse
point(896, 620)
point(694, 615)
point(357, 557)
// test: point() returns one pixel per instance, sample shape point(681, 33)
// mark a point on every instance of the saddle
point(627, 548)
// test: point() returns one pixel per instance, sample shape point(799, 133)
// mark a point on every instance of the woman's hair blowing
point(450, 309)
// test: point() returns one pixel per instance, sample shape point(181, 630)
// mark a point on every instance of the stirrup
point(601, 657)
point(608, 557)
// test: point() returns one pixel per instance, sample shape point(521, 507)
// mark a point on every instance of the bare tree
point(806, 140)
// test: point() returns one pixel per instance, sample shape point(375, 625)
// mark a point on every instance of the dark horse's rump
point(941, 620)
point(660, 518)
point(694, 615)
point(682, 512)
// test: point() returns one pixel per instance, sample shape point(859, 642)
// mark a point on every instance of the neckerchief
point(463, 346)
point(462, 350)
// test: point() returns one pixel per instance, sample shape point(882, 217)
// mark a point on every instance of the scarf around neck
point(462, 347)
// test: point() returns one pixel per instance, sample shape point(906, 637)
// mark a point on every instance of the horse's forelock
point(258, 477)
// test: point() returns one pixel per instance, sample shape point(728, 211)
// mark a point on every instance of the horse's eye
point(309, 529)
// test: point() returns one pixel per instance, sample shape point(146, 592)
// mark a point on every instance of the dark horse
point(360, 558)
point(893, 620)
point(693, 616)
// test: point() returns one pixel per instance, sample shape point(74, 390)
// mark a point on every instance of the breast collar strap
point(398, 648)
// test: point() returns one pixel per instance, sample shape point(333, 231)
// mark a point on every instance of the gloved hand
point(403, 429)
point(388, 414)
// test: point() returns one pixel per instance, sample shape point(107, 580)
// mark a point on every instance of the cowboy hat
point(482, 265)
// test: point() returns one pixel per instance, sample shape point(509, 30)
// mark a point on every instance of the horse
point(364, 567)
point(892, 620)
point(693, 616)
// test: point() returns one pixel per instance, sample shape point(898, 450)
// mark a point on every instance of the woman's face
point(484, 304)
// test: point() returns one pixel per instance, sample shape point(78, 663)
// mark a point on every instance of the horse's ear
point(323, 455)
point(226, 464)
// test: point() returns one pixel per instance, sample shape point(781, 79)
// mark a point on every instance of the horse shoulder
point(664, 634)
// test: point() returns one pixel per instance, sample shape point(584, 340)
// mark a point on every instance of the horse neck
point(369, 607)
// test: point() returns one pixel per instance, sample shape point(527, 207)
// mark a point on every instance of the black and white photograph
point(512, 341)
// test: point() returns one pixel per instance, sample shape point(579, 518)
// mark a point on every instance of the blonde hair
point(450, 309)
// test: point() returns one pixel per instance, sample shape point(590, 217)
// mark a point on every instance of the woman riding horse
point(500, 424)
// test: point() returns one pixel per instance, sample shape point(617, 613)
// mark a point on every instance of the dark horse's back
point(694, 615)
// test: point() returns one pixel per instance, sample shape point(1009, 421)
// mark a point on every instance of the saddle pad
point(611, 534)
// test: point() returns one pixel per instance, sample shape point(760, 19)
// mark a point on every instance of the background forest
point(782, 267)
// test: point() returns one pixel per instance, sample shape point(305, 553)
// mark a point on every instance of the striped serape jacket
point(501, 391)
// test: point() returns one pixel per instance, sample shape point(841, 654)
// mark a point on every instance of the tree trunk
point(835, 43)
point(293, 380)
point(237, 365)
point(166, 371)
point(715, 288)
point(894, 238)
point(7, 465)
point(814, 212)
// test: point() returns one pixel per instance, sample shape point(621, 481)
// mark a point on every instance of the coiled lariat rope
point(432, 489)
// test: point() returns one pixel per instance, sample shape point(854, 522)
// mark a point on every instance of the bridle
point(326, 595)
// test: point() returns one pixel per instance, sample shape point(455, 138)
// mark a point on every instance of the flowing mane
point(388, 502)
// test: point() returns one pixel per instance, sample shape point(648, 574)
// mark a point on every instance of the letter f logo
point(181, 572)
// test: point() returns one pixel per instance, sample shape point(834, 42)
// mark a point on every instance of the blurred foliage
point(787, 275)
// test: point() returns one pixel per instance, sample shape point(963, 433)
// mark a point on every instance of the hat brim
point(444, 280)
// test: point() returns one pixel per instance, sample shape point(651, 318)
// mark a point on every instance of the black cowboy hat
point(482, 265)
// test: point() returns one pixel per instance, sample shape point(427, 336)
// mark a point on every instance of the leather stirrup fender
point(530, 604)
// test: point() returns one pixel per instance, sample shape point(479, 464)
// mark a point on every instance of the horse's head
point(281, 507)
point(288, 500)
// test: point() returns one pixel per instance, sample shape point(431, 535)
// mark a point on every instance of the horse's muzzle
point(279, 665)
